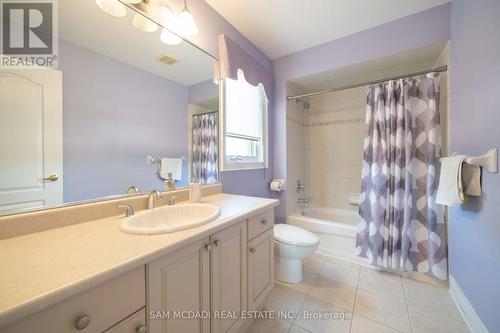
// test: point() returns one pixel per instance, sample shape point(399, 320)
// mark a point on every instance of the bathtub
point(335, 228)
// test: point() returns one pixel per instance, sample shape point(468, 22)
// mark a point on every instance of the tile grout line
point(406, 304)
point(305, 298)
point(355, 298)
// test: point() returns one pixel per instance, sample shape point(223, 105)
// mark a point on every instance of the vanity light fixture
point(112, 7)
point(184, 23)
point(141, 21)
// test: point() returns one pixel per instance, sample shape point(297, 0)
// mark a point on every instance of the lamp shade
point(143, 23)
point(161, 13)
point(184, 24)
point(112, 7)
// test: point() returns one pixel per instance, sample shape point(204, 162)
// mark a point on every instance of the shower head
point(305, 104)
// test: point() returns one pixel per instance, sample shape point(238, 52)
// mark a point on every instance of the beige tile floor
point(376, 302)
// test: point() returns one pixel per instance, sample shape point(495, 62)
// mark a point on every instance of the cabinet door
point(228, 278)
point(260, 268)
point(177, 284)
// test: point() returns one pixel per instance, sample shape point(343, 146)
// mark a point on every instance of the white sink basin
point(170, 218)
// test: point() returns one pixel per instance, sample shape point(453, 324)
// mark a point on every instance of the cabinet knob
point(209, 247)
point(218, 243)
point(252, 249)
point(264, 222)
point(82, 322)
point(141, 329)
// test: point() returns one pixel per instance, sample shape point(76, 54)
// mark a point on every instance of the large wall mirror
point(123, 108)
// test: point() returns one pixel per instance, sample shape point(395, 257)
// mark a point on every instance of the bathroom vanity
point(92, 277)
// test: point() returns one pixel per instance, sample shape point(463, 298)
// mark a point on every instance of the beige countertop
point(41, 269)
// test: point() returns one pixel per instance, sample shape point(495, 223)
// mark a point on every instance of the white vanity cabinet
point(95, 310)
point(207, 277)
point(216, 279)
point(177, 284)
point(260, 260)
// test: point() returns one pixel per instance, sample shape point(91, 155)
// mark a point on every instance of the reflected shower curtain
point(402, 228)
point(205, 163)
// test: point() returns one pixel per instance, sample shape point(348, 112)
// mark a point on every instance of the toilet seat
point(292, 235)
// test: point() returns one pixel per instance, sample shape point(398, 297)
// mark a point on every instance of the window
point(245, 125)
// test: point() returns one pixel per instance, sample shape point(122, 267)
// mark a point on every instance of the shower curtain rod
point(368, 83)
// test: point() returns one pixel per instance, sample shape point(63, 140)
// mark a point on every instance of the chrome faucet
point(130, 210)
point(171, 201)
point(151, 198)
point(133, 190)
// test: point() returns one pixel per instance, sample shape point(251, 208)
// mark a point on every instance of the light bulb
point(184, 24)
point(169, 38)
point(112, 7)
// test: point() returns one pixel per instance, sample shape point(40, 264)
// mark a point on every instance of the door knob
point(252, 249)
point(264, 222)
point(218, 243)
point(51, 178)
point(209, 247)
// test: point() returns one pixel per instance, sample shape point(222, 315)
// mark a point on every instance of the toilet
point(291, 245)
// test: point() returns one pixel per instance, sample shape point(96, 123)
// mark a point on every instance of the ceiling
point(420, 59)
point(282, 27)
point(84, 24)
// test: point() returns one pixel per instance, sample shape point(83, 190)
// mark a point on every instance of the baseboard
point(468, 313)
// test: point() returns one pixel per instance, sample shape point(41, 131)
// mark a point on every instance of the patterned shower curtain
point(205, 164)
point(402, 228)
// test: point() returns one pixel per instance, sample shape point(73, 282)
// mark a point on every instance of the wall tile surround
point(335, 134)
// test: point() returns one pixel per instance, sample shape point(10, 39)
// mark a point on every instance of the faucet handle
point(130, 210)
point(171, 201)
point(133, 190)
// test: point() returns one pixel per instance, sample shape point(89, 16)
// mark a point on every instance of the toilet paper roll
point(277, 185)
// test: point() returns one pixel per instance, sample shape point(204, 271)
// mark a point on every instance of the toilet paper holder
point(488, 160)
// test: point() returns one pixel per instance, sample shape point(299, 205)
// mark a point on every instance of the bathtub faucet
point(302, 201)
point(300, 186)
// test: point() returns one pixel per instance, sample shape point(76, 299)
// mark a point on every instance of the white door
point(229, 278)
point(31, 129)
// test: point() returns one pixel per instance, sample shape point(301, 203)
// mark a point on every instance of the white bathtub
point(336, 229)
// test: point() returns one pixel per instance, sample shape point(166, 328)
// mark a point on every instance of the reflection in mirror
point(85, 129)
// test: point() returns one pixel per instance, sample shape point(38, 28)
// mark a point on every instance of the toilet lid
point(290, 234)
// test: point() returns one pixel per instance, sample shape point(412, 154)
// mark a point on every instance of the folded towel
point(170, 165)
point(471, 178)
point(450, 190)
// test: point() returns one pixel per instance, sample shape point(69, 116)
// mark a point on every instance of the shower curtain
point(205, 160)
point(402, 228)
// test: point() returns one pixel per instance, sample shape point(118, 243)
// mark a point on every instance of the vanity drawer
point(136, 323)
point(105, 305)
point(259, 223)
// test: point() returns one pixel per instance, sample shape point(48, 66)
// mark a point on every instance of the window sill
point(243, 166)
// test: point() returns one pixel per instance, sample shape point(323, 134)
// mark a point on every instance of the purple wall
point(110, 127)
point(421, 29)
point(475, 117)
